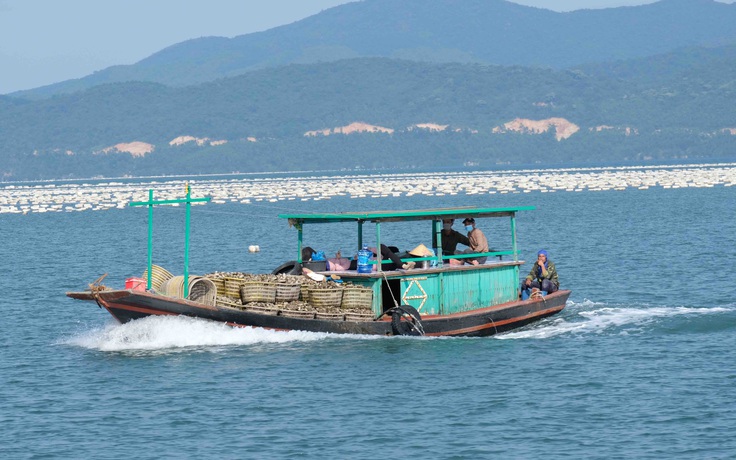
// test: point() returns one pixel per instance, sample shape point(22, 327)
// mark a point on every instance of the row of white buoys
point(68, 197)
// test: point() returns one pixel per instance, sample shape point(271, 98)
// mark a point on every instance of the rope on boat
point(95, 287)
point(536, 294)
point(493, 323)
point(414, 321)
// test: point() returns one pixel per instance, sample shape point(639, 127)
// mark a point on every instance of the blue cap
point(542, 252)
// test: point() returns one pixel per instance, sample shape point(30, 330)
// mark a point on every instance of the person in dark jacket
point(543, 275)
point(451, 238)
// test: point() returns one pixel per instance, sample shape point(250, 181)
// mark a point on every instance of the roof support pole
point(437, 240)
point(150, 239)
point(187, 228)
point(513, 237)
point(300, 242)
point(360, 235)
point(379, 256)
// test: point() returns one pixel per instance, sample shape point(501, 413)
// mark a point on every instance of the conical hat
point(421, 251)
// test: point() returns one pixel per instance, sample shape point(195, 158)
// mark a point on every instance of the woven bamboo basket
point(330, 316)
point(232, 287)
point(287, 292)
point(202, 290)
point(159, 276)
point(257, 291)
point(304, 292)
point(297, 314)
point(219, 284)
point(172, 287)
point(367, 316)
point(262, 310)
point(357, 297)
point(224, 303)
point(325, 297)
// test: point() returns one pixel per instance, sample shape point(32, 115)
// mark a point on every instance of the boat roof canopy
point(400, 216)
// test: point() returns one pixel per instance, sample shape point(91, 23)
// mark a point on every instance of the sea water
point(639, 365)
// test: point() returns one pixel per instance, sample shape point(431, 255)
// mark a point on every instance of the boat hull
point(128, 305)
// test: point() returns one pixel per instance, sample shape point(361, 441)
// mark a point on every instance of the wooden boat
point(441, 300)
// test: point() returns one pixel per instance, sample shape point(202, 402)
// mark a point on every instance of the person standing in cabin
point(451, 238)
point(543, 275)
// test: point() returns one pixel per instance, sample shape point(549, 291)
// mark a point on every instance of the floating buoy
point(254, 248)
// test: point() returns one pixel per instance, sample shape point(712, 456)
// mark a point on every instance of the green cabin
point(441, 288)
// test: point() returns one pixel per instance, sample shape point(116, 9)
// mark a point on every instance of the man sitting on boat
point(477, 242)
point(543, 275)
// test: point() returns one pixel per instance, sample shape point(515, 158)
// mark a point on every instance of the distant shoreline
point(375, 172)
point(104, 194)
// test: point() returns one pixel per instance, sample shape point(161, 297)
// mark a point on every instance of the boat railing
point(473, 255)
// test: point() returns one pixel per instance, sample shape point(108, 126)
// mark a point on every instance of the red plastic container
point(136, 284)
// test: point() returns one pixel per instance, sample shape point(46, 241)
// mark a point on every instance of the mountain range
point(422, 83)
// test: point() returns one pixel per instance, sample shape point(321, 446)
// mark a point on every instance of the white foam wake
point(169, 333)
point(594, 318)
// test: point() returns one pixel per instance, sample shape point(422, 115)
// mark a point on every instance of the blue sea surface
point(641, 363)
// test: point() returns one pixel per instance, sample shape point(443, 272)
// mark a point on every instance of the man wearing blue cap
point(543, 275)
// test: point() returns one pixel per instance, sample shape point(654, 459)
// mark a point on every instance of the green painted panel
point(422, 291)
point(471, 289)
point(436, 292)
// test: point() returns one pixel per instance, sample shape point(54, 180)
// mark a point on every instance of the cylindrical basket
point(330, 316)
point(297, 314)
point(219, 285)
point(232, 287)
point(367, 316)
point(159, 276)
point(304, 292)
point(287, 292)
point(257, 291)
point(357, 297)
point(325, 297)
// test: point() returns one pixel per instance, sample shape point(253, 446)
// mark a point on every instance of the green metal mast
point(151, 203)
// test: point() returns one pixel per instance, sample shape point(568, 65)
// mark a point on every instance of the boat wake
point(180, 333)
point(589, 317)
point(169, 334)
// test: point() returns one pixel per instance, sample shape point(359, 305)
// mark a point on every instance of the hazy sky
point(47, 41)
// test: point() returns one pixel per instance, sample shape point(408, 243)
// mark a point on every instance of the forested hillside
point(398, 84)
point(481, 31)
point(421, 115)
